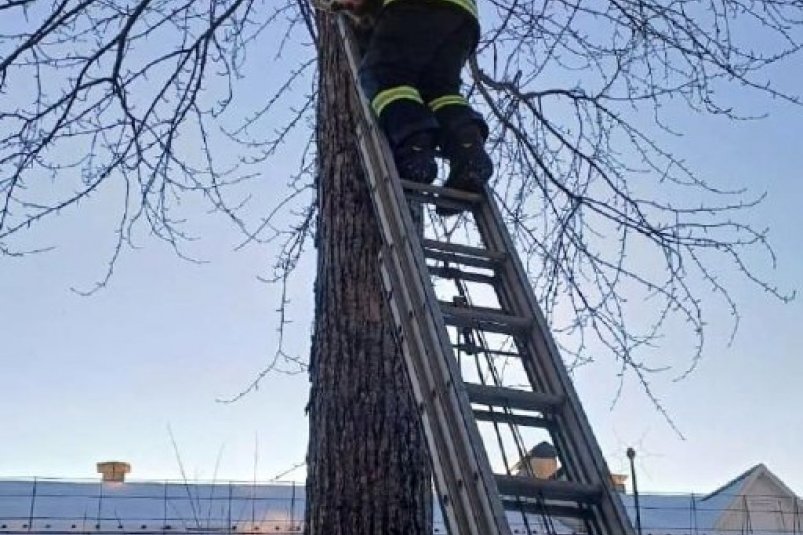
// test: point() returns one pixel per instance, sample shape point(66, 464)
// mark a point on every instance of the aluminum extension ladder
point(579, 497)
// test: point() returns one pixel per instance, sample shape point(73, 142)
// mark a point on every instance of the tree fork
point(368, 466)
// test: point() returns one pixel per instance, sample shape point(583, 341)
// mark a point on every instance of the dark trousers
point(411, 68)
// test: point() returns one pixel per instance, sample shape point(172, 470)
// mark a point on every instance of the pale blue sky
point(97, 378)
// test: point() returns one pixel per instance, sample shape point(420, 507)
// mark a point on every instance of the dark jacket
point(468, 5)
point(366, 15)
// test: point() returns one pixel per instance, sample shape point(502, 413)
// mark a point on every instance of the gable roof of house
point(683, 513)
point(736, 485)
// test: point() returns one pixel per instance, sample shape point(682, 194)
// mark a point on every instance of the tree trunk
point(368, 467)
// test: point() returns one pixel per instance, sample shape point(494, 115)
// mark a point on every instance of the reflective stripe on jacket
point(468, 5)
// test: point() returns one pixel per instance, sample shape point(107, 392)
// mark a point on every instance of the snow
point(145, 508)
point(47, 505)
point(56, 506)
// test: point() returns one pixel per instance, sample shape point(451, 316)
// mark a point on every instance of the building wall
point(764, 509)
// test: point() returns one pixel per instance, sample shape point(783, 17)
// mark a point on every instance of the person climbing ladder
point(410, 72)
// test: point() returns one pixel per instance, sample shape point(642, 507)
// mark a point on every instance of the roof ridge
point(740, 478)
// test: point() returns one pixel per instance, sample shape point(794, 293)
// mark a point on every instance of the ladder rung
point(514, 419)
point(531, 487)
point(474, 349)
point(500, 396)
point(484, 319)
point(437, 195)
point(466, 250)
point(458, 274)
point(440, 202)
point(556, 511)
point(462, 254)
point(452, 258)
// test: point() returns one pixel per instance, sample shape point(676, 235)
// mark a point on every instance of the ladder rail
point(510, 294)
point(467, 504)
point(441, 447)
point(522, 299)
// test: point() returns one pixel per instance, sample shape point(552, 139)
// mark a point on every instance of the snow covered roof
point(145, 508)
point(674, 514)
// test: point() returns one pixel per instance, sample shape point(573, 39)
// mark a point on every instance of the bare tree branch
point(164, 105)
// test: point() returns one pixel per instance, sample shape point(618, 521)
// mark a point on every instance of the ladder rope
point(484, 347)
point(518, 440)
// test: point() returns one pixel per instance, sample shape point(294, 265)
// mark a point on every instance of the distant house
point(755, 502)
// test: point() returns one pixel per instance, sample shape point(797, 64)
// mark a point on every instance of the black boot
point(470, 165)
point(415, 158)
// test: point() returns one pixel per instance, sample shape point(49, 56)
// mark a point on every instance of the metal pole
point(33, 505)
point(631, 454)
point(229, 527)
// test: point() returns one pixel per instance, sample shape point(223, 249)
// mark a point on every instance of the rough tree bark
point(368, 470)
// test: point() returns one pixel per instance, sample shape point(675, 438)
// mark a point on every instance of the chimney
point(113, 471)
point(541, 462)
point(618, 481)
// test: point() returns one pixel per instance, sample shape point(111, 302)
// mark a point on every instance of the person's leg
point(462, 131)
point(399, 48)
point(463, 136)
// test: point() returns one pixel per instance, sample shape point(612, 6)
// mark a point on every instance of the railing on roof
point(146, 507)
point(56, 506)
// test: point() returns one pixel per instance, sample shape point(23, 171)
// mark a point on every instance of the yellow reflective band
point(447, 100)
point(468, 5)
point(388, 96)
